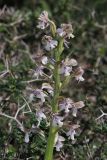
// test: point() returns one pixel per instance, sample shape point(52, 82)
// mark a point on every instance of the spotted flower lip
point(49, 43)
point(71, 133)
point(59, 144)
point(57, 121)
point(65, 31)
point(40, 94)
point(40, 115)
point(66, 104)
point(77, 106)
point(79, 74)
point(39, 71)
point(67, 65)
point(43, 20)
point(65, 70)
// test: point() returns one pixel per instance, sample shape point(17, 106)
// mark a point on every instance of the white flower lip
point(44, 60)
point(79, 74)
point(58, 143)
point(60, 32)
point(65, 70)
point(26, 137)
point(71, 133)
point(39, 71)
point(40, 94)
point(67, 65)
point(40, 115)
point(57, 121)
point(49, 43)
point(76, 106)
point(66, 105)
point(79, 78)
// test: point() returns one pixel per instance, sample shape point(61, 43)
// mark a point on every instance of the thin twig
point(19, 109)
point(13, 118)
point(103, 114)
point(27, 104)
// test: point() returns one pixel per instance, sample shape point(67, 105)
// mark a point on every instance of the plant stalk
point(53, 129)
point(50, 144)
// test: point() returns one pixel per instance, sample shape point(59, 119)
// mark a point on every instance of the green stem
point(50, 144)
point(53, 130)
point(57, 76)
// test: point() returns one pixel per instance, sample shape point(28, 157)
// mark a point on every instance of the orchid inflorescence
point(60, 70)
point(54, 72)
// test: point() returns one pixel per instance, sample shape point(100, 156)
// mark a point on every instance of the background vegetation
point(19, 42)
